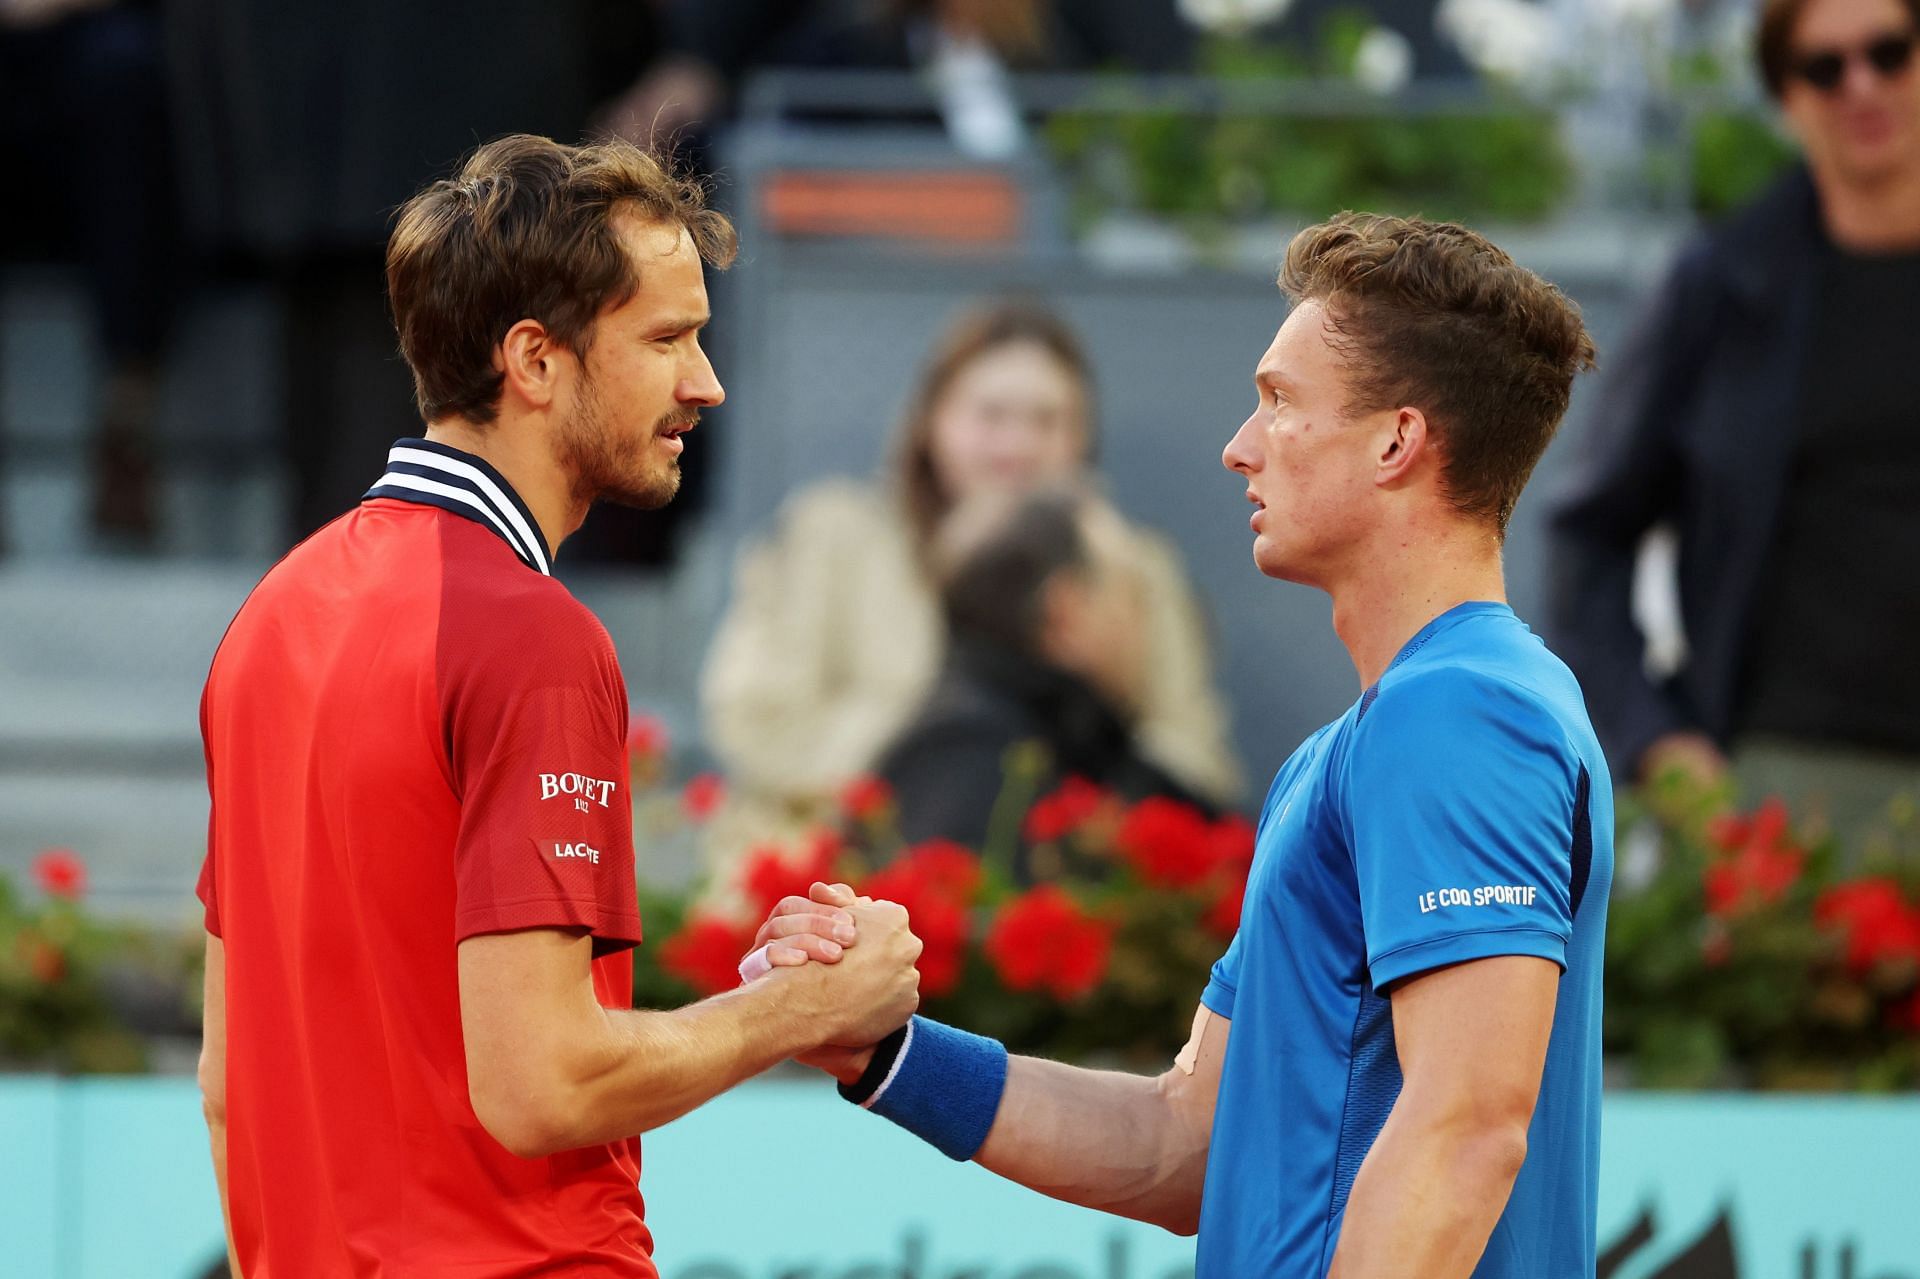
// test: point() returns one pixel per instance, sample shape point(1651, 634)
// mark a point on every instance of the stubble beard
point(607, 469)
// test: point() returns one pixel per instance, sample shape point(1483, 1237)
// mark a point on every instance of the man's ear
point(529, 361)
point(1403, 447)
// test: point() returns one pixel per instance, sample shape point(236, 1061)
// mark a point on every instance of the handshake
point(846, 964)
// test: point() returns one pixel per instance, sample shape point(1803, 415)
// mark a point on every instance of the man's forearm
point(648, 1068)
point(1124, 1144)
point(1427, 1199)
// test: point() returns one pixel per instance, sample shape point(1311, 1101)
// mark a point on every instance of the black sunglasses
point(1888, 54)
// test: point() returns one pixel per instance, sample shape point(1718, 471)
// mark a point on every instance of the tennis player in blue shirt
point(1395, 1070)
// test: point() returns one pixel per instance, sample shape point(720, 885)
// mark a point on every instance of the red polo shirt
point(414, 735)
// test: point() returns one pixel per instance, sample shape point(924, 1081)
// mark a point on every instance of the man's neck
point(522, 456)
point(1874, 217)
point(1408, 583)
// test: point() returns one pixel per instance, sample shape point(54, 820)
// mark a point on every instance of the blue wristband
point(942, 1085)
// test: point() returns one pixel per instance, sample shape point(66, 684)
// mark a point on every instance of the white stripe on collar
point(529, 538)
point(466, 485)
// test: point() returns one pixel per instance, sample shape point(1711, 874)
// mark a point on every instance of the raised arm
point(1472, 1041)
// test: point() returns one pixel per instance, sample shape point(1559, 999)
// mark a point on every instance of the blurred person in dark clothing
point(1046, 651)
point(305, 126)
point(965, 46)
point(84, 96)
point(1764, 410)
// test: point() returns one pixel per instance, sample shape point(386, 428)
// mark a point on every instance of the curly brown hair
point(1431, 315)
point(525, 231)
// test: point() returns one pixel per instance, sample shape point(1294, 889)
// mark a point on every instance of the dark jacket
point(949, 766)
point(1695, 428)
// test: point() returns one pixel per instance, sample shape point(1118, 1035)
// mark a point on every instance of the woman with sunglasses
point(1766, 412)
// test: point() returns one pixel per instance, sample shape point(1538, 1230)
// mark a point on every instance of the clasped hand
point(851, 960)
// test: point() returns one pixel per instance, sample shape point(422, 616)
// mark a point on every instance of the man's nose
point(701, 385)
point(1239, 455)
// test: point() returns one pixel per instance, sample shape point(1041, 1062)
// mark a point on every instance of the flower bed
point(1106, 967)
point(1740, 954)
point(1751, 956)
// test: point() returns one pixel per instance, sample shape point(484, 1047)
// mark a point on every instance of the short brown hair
point(1432, 316)
point(975, 333)
point(1778, 19)
point(524, 231)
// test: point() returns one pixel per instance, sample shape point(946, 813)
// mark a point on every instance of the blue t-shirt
point(1459, 810)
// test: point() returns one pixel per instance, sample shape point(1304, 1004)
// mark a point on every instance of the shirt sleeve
point(1461, 802)
point(536, 721)
point(1224, 983)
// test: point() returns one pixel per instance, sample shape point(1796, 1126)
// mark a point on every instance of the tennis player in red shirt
point(420, 1054)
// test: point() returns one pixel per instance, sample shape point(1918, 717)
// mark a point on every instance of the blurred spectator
point(304, 126)
point(965, 47)
point(83, 127)
point(1764, 410)
point(1046, 631)
point(834, 637)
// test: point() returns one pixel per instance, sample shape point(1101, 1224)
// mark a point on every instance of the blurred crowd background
point(957, 559)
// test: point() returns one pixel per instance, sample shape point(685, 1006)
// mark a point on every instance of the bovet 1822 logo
point(583, 790)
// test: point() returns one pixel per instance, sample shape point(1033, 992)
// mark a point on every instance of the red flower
point(60, 873)
point(1728, 831)
point(770, 874)
point(1875, 919)
point(1170, 844)
point(706, 953)
point(866, 799)
point(936, 882)
point(1755, 876)
point(1767, 827)
point(1074, 803)
point(1757, 864)
point(945, 867)
point(647, 741)
point(1043, 940)
point(702, 796)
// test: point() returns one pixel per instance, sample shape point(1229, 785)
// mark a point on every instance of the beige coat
point(834, 638)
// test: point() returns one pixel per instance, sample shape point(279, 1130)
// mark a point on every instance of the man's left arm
point(1472, 1040)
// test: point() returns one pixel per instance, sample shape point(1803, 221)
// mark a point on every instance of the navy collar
point(440, 475)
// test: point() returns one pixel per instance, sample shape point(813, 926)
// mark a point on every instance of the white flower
point(1511, 39)
point(1384, 62)
point(1232, 15)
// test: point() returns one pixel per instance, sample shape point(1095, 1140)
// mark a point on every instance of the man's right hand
point(874, 988)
